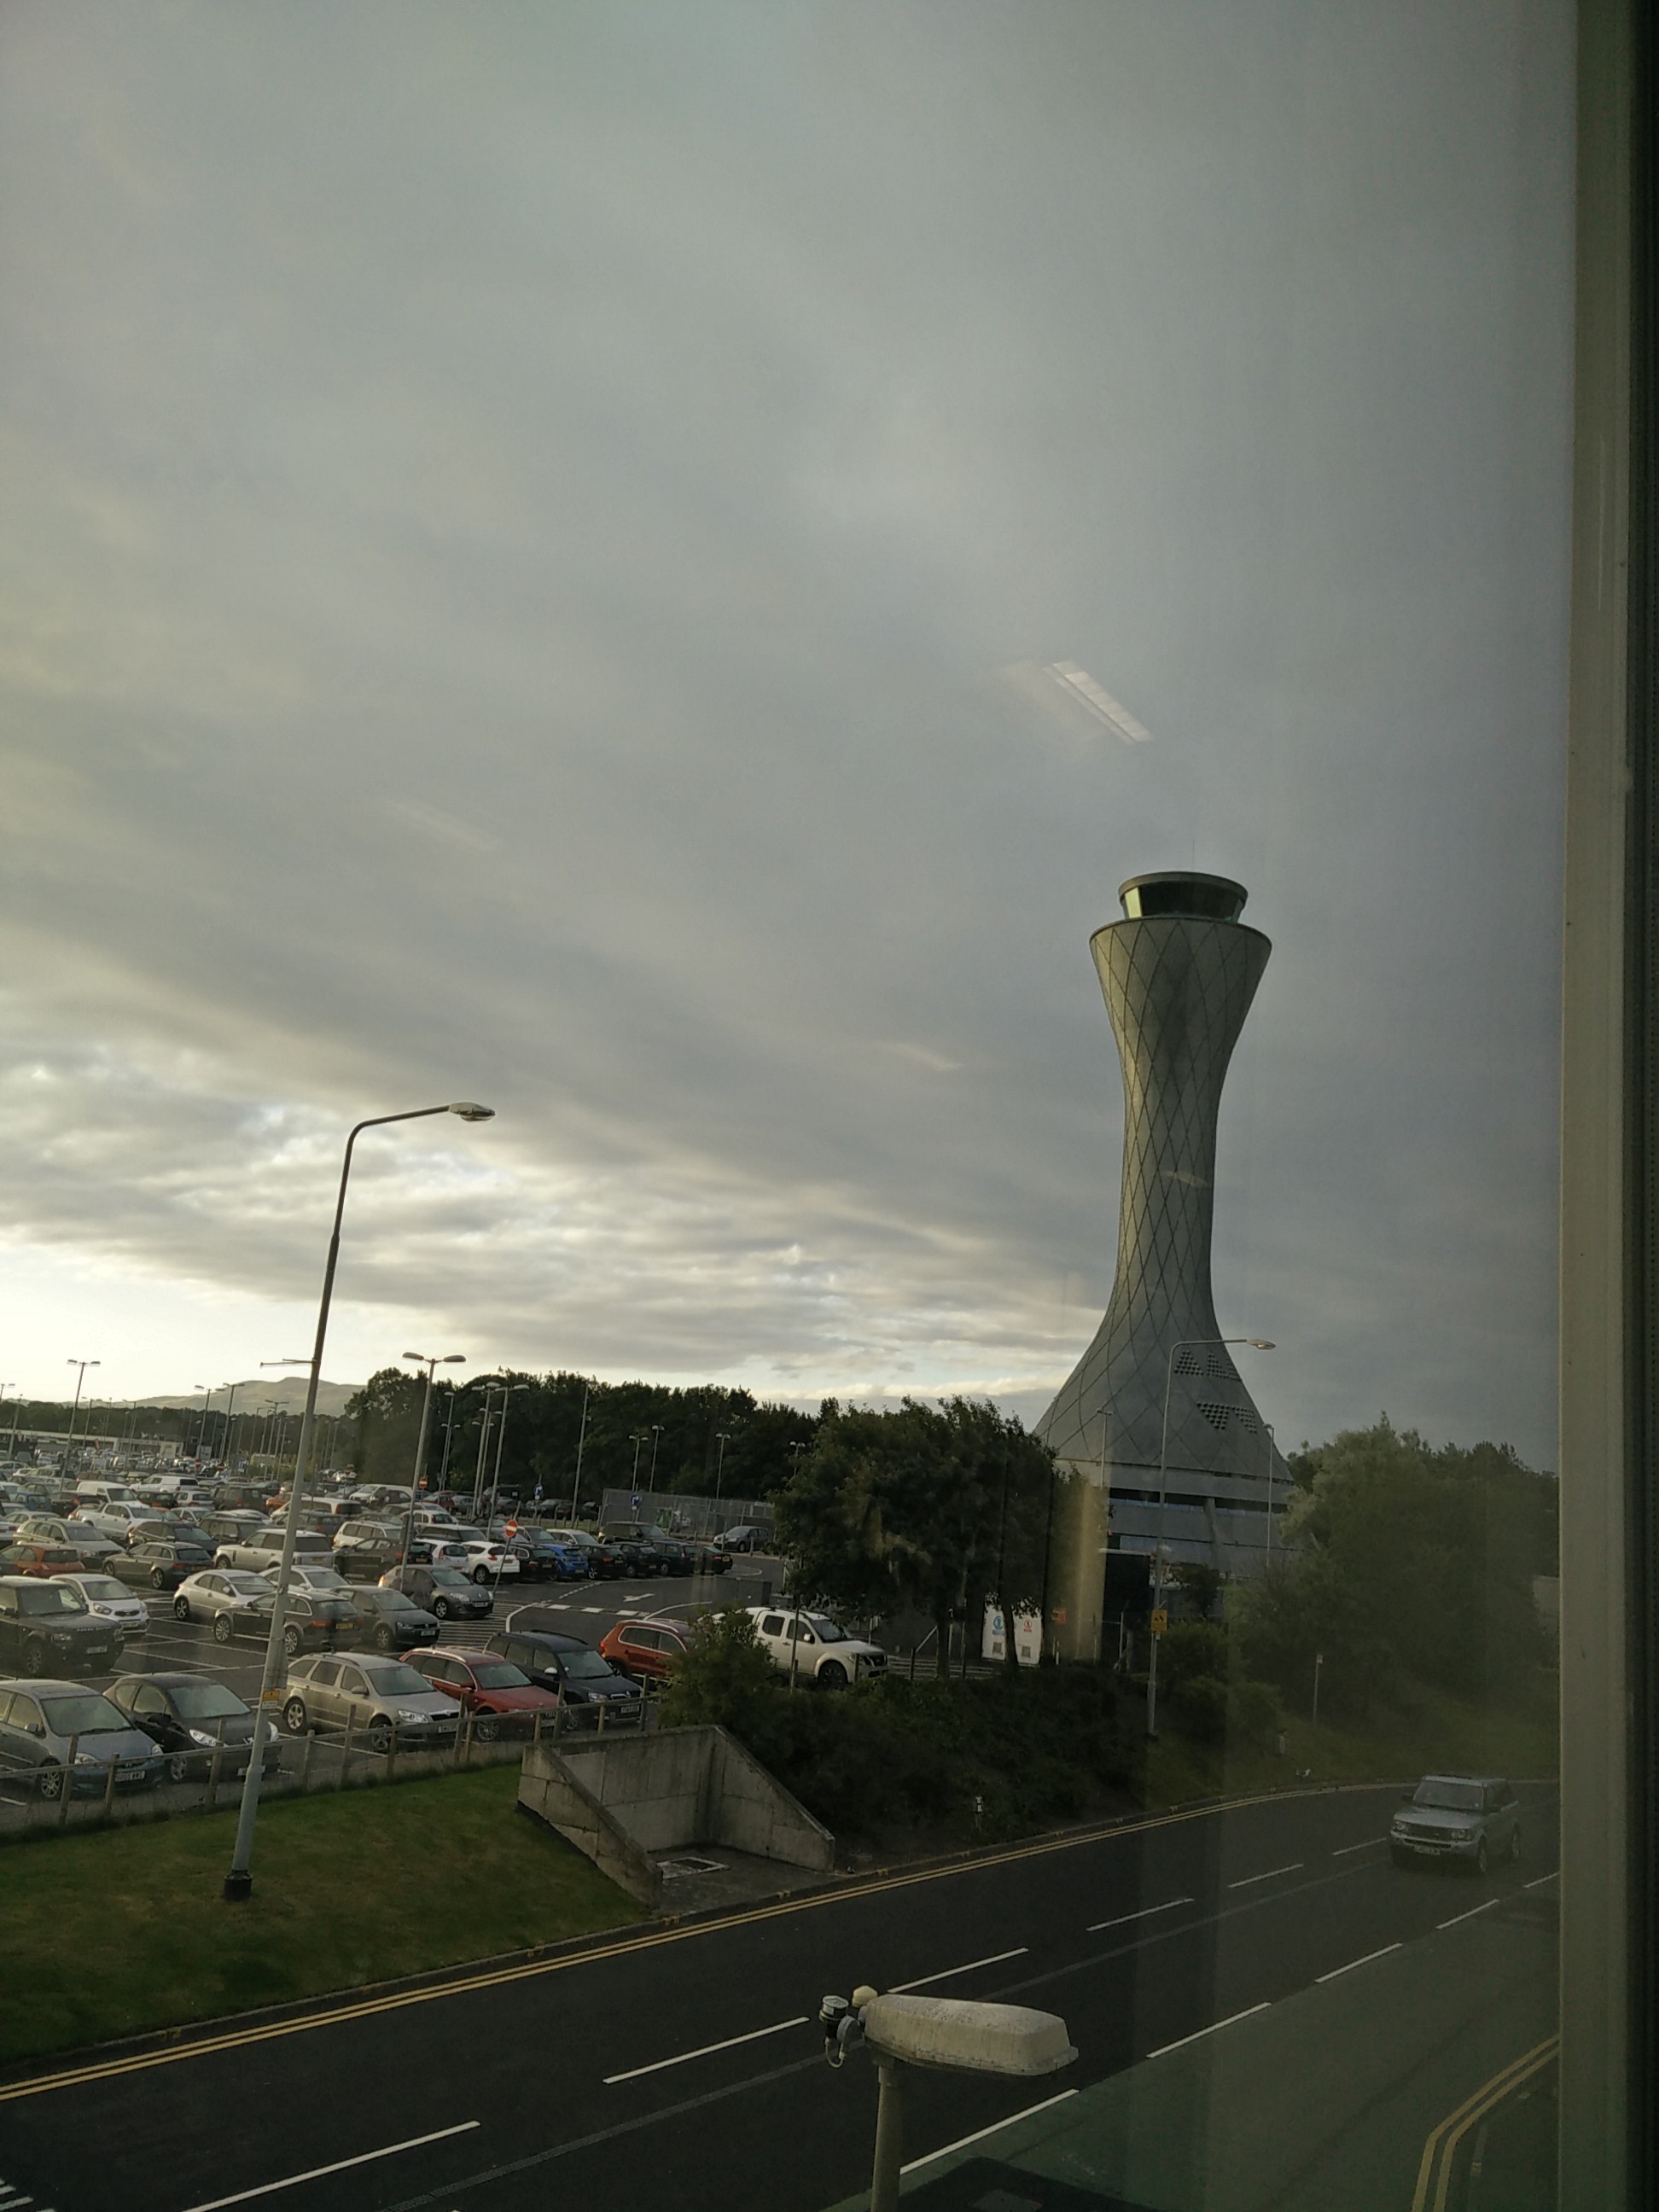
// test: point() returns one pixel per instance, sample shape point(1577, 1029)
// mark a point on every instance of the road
point(684, 2065)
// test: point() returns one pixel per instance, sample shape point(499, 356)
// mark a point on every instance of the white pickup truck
point(809, 1644)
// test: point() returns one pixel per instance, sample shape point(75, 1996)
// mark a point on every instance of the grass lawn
point(123, 1931)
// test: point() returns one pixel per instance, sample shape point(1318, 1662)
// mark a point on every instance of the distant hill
point(286, 1392)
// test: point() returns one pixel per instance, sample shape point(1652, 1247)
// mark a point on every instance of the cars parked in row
point(444, 1591)
point(109, 1600)
point(393, 1621)
point(192, 1720)
point(566, 1666)
point(236, 1602)
point(374, 1696)
point(55, 1735)
point(649, 1650)
point(161, 1565)
point(1457, 1820)
point(492, 1689)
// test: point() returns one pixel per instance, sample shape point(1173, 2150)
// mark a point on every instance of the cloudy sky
point(535, 544)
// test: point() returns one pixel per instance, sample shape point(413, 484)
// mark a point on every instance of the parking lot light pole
point(82, 1365)
point(429, 1360)
point(238, 1882)
point(1183, 1344)
point(581, 1439)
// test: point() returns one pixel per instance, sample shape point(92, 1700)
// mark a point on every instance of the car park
point(365, 1549)
point(605, 1560)
point(1457, 1820)
point(161, 1566)
point(372, 1696)
point(811, 1646)
point(191, 1719)
point(93, 1546)
point(52, 1733)
point(565, 1666)
point(109, 1599)
point(32, 1556)
point(115, 1517)
point(232, 1602)
point(445, 1591)
point(491, 1688)
point(392, 1622)
point(46, 1624)
point(649, 1650)
point(261, 1550)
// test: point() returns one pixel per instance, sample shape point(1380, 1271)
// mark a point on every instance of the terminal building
point(1157, 1396)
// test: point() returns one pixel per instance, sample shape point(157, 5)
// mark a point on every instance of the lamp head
point(469, 1111)
point(1262, 1344)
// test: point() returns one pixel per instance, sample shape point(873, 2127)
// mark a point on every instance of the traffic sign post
point(1160, 1622)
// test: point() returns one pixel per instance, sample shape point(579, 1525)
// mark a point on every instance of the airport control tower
point(1179, 972)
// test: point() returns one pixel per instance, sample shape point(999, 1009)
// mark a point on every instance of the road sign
point(1160, 1622)
point(511, 1527)
point(636, 1501)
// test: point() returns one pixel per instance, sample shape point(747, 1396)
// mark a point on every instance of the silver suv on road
point(1468, 1819)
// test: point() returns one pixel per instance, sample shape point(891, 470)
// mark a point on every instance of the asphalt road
point(684, 2067)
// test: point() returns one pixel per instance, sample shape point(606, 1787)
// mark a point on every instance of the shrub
point(724, 1676)
point(1200, 1706)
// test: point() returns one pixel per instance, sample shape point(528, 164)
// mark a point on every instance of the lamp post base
point(238, 1888)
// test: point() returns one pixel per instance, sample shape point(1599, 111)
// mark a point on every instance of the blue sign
point(636, 1501)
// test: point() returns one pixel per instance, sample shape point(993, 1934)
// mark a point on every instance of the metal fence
point(683, 1514)
point(307, 1765)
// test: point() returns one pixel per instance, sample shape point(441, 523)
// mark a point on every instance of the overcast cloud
point(535, 547)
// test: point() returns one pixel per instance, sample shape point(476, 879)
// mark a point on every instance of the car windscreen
point(398, 1682)
point(102, 1587)
point(825, 1630)
point(83, 1713)
point(50, 1598)
point(247, 1585)
point(205, 1701)
point(449, 1578)
point(1448, 1796)
point(581, 1666)
point(499, 1674)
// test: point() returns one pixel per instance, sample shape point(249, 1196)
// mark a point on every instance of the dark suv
point(564, 1664)
point(48, 1627)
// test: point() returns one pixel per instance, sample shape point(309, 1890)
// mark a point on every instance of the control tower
point(1179, 972)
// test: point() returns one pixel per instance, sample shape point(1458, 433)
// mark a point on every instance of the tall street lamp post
point(1183, 1344)
point(238, 1882)
point(1268, 1427)
point(508, 1390)
point(429, 1360)
point(201, 1433)
point(722, 1437)
point(581, 1439)
point(636, 1440)
point(82, 1365)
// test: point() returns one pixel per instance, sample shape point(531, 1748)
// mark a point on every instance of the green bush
point(1199, 1704)
point(724, 1676)
point(1254, 1716)
point(1192, 1651)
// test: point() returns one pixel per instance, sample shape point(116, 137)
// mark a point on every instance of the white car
point(111, 1600)
point(116, 1517)
point(810, 1644)
point(486, 1562)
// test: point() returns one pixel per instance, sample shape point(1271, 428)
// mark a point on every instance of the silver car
point(372, 1696)
point(1466, 1819)
point(111, 1600)
point(54, 1732)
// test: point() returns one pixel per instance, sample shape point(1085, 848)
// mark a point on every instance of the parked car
point(444, 1591)
point(813, 1647)
point(318, 1578)
point(565, 1666)
point(161, 1566)
point(261, 1549)
point(371, 1695)
point(116, 1517)
point(604, 1559)
point(31, 1555)
point(234, 1602)
point(109, 1599)
point(745, 1537)
point(165, 1528)
point(479, 1557)
point(364, 1550)
point(393, 1622)
point(1459, 1820)
point(649, 1651)
point(239, 1528)
point(52, 1733)
point(189, 1718)
point(492, 1689)
point(93, 1546)
point(46, 1624)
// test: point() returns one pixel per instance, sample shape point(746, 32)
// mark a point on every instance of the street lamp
point(722, 1437)
point(82, 1365)
point(429, 1360)
point(636, 1440)
point(201, 1433)
point(238, 1882)
point(507, 1390)
point(581, 1439)
point(1268, 1426)
point(656, 1438)
point(1182, 1344)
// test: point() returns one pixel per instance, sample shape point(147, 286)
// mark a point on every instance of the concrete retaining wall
point(625, 1801)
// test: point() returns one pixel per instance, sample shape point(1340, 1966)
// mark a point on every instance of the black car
point(189, 1718)
point(393, 1621)
point(365, 1549)
point(161, 1565)
point(445, 1591)
point(565, 1665)
point(47, 1626)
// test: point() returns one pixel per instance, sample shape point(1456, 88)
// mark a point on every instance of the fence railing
point(63, 1799)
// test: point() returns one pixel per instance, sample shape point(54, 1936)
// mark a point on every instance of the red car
point(33, 1556)
point(485, 1684)
point(649, 1651)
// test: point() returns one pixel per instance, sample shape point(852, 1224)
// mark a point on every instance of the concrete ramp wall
point(626, 1800)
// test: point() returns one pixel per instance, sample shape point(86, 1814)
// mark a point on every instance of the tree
point(724, 1675)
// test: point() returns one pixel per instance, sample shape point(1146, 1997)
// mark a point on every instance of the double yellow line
point(1440, 2152)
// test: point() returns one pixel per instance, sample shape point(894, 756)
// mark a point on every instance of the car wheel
point(221, 1628)
point(481, 1575)
point(1480, 1857)
point(178, 1767)
point(34, 1658)
point(379, 1736)
point(441, 1607)
point(486, 1728)
point(157, 1579)
point(181, 1608)
point(384, 1639)
point(293, 1716)
point(833, 1674)
point(49, 1783)
point(292, 1642)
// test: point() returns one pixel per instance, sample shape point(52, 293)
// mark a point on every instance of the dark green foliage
point(1411, 1563)
point(1200, 1706)
point(1191, 1649)
point(1037, 1750)
point(1201, 1586)
point(723, 1676)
